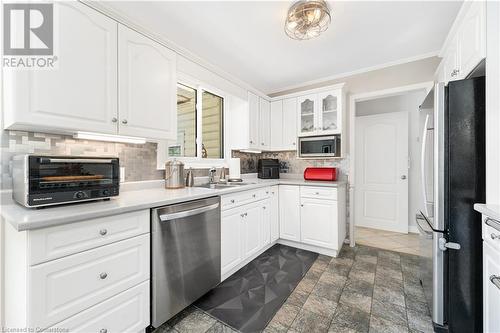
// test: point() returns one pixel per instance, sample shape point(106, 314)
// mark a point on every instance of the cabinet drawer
point(491, 233)
point(56, 242)
point(318, 192)
point(62, 288)
point(125, 312)
point(234, 200)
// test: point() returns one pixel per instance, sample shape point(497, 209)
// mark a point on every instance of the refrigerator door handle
point(422, 163)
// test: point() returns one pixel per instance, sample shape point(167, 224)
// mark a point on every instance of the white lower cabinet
point(127, 312)
point(491, 288)
point(252, 229)
point(266, 222)
point(289, 208)
point(231, 239)
point(275, 214)
point(318, 222)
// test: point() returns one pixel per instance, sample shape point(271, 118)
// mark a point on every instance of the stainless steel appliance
point(268, 168)
point(50, 180)
point(452, 123)
point(174, 174)
point(320, 146)
point(185, 254)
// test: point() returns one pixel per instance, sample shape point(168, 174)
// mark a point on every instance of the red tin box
point(326, 174)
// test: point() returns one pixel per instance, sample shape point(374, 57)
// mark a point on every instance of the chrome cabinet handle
point(114, 120)
point(232, 200)
point(263, 207)
point(267, 192)
point(495, 279)
point(103, 330)
point(242, 215)
point(103, 232)
point(492, 223)
point(103, 275)
point(317, 193)
point(246, 214)
point(494, 236)
point(124, 121)
point(251, 141)
point(403, 177)
point(262, 143)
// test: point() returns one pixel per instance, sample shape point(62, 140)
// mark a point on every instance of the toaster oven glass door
point(49, 174)
point(319, 146)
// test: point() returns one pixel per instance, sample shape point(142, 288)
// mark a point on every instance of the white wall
point(408, 102)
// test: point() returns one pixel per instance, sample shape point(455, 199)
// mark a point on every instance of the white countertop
point(489, 210)
point(137, 196)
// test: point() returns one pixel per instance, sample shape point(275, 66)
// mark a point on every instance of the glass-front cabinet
point(320, 113)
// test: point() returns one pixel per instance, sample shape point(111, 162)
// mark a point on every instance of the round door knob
point(403, 177)
point(114, 120)
point(103, 232)
point(124, 121)
point(103, 275)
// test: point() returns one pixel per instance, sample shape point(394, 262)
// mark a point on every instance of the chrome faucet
point(211, 175)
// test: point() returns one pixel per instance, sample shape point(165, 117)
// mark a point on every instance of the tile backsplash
point(139, 160)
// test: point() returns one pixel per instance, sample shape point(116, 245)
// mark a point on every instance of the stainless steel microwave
point(320, 146)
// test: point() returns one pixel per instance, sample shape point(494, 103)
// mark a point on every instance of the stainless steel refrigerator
point(452, 179)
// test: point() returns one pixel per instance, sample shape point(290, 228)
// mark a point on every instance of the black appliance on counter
point(268, 168)
point(50, 180)
point(452, 122)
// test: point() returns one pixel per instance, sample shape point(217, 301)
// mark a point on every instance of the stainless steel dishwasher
point(185, 254)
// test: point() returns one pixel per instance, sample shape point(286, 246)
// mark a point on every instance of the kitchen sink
point(222, 185)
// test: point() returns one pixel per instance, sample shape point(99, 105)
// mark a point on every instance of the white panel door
point(472, 38)
point(253, 113)
point(275, 214)
point(147, 87)
point(252, 229)
point(264, 125)
point(381, 189)
point(289, 202)
point(491, 287)
point(231, 239)
point(277, 125)
point(290, 124)
point(318, 222)
point(266, 222)
point(80, 94)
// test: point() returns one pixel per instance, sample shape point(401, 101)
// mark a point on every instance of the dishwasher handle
point(187, 213)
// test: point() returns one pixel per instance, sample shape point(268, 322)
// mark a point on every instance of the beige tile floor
point(388, 240)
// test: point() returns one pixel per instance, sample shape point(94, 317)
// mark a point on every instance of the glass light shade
point(307, 19)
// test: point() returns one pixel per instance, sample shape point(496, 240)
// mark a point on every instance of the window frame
point(197, 162)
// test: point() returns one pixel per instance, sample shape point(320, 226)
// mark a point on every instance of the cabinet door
point(147, 87)
point(275, 214)
point(265, 127)
point(278, 124)
point(330, 112)
point(491, 296)
point(450, 64)
point(253, 110)
point(289, 124)
point(231, 236)
point(318, 220)
point(289, 205)
point(472, 38)
point(252, 229)
point(307, 114)
point(266, 222)
point(79, 95)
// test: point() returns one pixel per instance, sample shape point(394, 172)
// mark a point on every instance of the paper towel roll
point(234, 168)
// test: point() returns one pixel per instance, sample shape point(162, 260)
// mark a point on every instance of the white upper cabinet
point(277, 124)
point(80, 94)
point(253, 110)
point(147, 86)
point(467, 45)
point(321, 113)
point(264, 124)
point(289, 124)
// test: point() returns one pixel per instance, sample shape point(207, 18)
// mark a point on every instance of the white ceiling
point(246, 38)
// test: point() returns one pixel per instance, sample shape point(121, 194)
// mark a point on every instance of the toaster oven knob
point(105, 192)
point(80, 195)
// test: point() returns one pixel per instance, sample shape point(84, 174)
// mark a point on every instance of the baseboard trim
point(413, 229)
point(312, 248)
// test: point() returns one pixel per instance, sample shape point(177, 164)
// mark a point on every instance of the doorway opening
point(385, 163)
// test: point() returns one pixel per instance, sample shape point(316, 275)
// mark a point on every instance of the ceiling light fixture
point(307, 19)
point(108, 137)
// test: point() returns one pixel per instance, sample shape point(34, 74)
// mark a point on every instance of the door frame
point(360, 97)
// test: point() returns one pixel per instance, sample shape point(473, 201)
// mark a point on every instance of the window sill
point(197, 163)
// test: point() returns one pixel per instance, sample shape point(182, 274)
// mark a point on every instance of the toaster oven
point(51, 180)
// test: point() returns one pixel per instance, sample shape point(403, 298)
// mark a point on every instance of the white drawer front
point(126, 312)
point(57, 242)
point(318, 192)
point(491, 233)
point(61, 288)
point(234, 200)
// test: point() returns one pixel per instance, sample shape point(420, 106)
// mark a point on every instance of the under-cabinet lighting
point(251, 151)
point(108, 137)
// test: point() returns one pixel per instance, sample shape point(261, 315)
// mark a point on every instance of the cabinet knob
point(495, 280)
point(124, 121)
point(103, 330)
point(317, 193)
point(263, 207)
point(301, 205)
point(232, 200)
point(403, 177)
point(253, 195)
point(246, 214)
point(267, 192)
point(242, 215)
point(103, 232)
point(103, 275)
point(262, 143)
point(293, 143)
point(114, 120)
point(251, 141)
point(494, 236)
